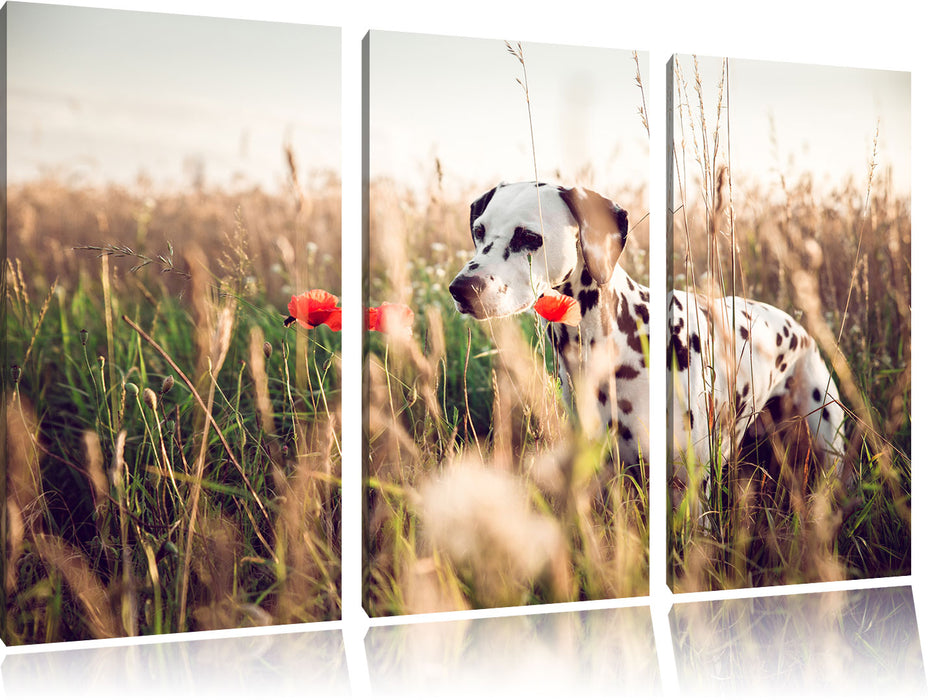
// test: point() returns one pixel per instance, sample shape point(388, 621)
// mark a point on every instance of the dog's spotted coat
point(780, 383)
point(776, 365)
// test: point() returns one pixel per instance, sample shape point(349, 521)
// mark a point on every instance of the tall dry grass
point(280, 233)
point(838, 262)
point(173, 458)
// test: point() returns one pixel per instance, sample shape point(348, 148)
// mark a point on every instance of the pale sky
point(824, 119)
point(101, 95)
point(458, 99)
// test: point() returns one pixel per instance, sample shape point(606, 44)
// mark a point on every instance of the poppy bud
point(167, 384)
point(131, 388)
point(149, 398)
point(84, 336)
point(267, 350)
point(15, 373)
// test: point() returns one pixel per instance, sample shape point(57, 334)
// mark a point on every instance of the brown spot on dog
point(679, 352)
point(643, 312)
point(588, 299)
point(626, 372)
point(585, 279)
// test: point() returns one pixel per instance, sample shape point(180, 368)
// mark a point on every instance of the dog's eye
point(525, 239)
point(478, 233)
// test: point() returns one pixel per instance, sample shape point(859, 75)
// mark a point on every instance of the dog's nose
point(464, 290)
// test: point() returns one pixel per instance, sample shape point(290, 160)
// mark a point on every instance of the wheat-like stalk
point(164, 262)
point(642, 109)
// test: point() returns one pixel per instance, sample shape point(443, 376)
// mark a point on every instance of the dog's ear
point(479, 205)
point(602, 230)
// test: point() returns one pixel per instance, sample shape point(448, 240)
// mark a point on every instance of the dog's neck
point(615, 317)
point(619, 306)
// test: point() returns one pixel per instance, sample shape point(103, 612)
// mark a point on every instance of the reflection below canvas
point(582, 654)
point(275, 665)
point(860, 642)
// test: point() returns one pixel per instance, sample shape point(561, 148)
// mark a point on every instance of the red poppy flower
point(314, 308)
point(391, 318)
point(559, 308)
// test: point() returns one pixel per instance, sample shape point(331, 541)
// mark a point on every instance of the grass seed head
point(167, 384)
point(483, 520)
point(149, 398)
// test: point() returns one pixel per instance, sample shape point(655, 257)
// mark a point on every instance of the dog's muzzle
point(466, 291)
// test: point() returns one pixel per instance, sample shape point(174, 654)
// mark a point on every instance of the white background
point(895, 35)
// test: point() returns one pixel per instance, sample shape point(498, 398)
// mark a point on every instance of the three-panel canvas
point(172, 335)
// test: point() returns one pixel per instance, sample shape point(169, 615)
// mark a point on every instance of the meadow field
point(172, 449)
point(481, 489)
point(836, 256)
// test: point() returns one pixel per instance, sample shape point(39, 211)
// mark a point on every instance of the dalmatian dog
point(535, 238)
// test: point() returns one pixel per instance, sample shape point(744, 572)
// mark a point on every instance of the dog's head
point(518, 258)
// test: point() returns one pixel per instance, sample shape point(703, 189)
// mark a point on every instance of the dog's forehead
point(520, 204)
